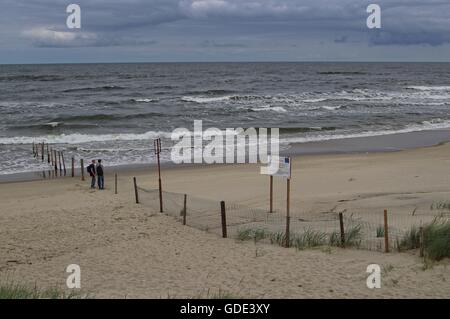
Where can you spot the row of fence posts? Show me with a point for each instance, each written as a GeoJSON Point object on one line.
{"type": "Point", "coordinates": [157, 145]}
{"type": "Point", "coordinates": [341, 228]}
{"type": "Point", "coordinates": [223, 217]}
{"type": "Point", "coordinates": [157, 149]}
{"type": "Point", "coordinates": [56, 160]}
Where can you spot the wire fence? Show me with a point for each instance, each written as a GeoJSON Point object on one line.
{"type": "Point", "coordinates": [363, 230]}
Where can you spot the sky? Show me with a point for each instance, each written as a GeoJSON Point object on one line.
{"type": "Point", "coordinates": [35, 31]}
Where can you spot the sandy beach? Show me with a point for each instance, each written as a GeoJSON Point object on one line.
{"type": "Point", "coordinates": [125, 249]}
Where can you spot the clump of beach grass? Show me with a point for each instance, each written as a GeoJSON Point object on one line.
{"type": "Point", "coordinates": [278, 238]}
{"type": "Point", "coordinates": [436, 240]}
{"type": "Point", "coordinates": [411, 239]}
{"type": "Point", "coordinates": [309, 239]}
{"type": "Point", "coordinates": [352, 237]}
{"type": "Point", "coordinates": [380, 232]}
{"type": "Point", "coordinates": [443, 205]}
{"type": "Point", "coordinates": [20, 291]}
{"type": "Point", "coordinates": [255, 234]}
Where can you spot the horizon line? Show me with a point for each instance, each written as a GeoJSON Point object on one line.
{"type": "Point", "coordinates": [192, 62]}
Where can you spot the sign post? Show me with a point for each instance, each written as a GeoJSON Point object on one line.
{"type": "Point", "coordinates": [271, 194]}
{"type": "Point", "coordinates": [288, 215]}
{"type": "Point", "coordinates": [284, 170]}
{"type": "Point", "coordinates": [157, 145]}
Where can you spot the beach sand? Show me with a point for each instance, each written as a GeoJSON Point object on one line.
{"type": "Point", "coordinates": [128, 250]}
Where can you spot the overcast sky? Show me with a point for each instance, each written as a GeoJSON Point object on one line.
{"type": "Point", "coordinates": [35, 31]}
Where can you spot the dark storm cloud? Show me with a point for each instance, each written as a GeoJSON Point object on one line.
{"type": "Point", "coordinates": [224, 23]}
{"type": "Point", "coordinates": [214, 44]}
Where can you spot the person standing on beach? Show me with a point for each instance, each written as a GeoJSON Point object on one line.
{"type": "Point", "coordinates": [100, 178]}
{"type": "Point", "coordinates": [92, 173]}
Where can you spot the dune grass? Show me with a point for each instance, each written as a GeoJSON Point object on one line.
{"type": "Point", "coordinates": [436, 240]}
{"type": "Point", "coordinates": [21, 291]}
{"type": "Point", "coordinates": [380, 231]}
{"type": "Point", "coordinates": [411, 239]}
{"type": "Point", "coordinates": [443, 205]}
{"type": "Point", "coordinates": [255, 234]}
{"type": "Point", "coordinates": [309, 238]}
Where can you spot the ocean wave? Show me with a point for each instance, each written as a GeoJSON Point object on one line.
{"type": "Point", "coordinates": [434, 124]}
{"type": "Point", "coordinates": [202, 100]}
{"type": "Point", "coordinates": [235, 98]}
{"type": "Point", "coordinates": [50, 126]}
{"type": "Point", "coordinates": [291, 130]}
{"type": "Point", "coordinates": [44, 78]}
{"type": "Point", "coordinates": [144, 100]}
{"type": "Point", "coordinates": [342, 73]}
{"type": "Point", "coordinates": [332, 108]}
{"type": "Point", "coordinates": [106, 117]}
{"type": "Point", "coordinates": [429, 88]}
{"type": "Point", "coordinates": [95, 88]}
{"type": "Point", "coordinates": [277, 109]}
{"type": "Point", "coordinates": [211, 92]}
{"type": "Point", "coordinates": [83, 138]}
{"type": "Point", "coordinates": [315, 100]}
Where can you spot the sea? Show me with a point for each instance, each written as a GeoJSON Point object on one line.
{"type": "Point", "coordinates": [115, 111]}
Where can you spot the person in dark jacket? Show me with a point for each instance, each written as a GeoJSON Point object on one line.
{"type": "Point", "coordinates": [92, 173]}
{"type": "Point", "coordinates": [100, 175]}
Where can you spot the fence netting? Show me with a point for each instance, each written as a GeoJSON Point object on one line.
{"type": "Point", "coordinates": [363, 230]}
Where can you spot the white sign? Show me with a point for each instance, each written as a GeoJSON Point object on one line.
{"type": "Point", "coordinates": [284, 166]}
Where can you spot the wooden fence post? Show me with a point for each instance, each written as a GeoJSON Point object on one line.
{"type": "Point", "coordinates": [56, 160]}
{"type": "Point", "coordinates": [115, 183]}
{"type": "Point", "coordinates": [82, 169]}
{"type": "Point", "coordinates": [48, 155]}
{"type": "Point", "coordinates": [59, 163]}
{"type": "Point", "coordinates": [341, 225]}
{"type": "Point", "coordinates": [288, 215]}
{"type": "Point", "coordinates": [184, 209]}
{"type": "Point", "coordinates": [73, 166]}
{"type": "Point", "coordinates": [224, 219]}
{"type": "Point", "coordinates": [64, 163]}
{"type": "Point", "coordinates": [386, 234]}
{"type": "Point", "coordinates": [421, 241]}
{"type": "Point", "coordinates": [136, 194]}
{"type": "Point", "coordinates": [271, 195]}
{"type": "Point", "coordinates": [157, 144]}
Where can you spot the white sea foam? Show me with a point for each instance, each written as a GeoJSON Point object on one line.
{"type": "Point", "coordinates": [82, 138]}
{"type": "Point", "coordinates": [277, 109]}
{"type": "Point", "coordinates": [202, 100]}
{"type": "Point", "coordinates": [331, 108]}
{"type": "Point", "coordinates": [435, 124]}
{"type": "Point", "coordinates": [145, 100]}
{"type": "Point", "coordinates": [54, 124]}
{"type": "Point", "coordinates": [86, 138]}
{"type": "Point", "coordinates": [315, 100]}
{"type": "Point", "coordinates": [429, 88]}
